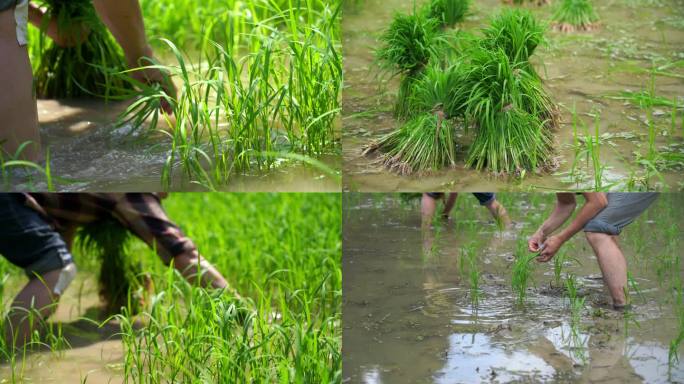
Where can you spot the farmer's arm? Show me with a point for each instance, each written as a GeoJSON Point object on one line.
{"type": "Point", "coordinates": [565, 205]}
{"type": "Point", "coordinates": [594, 203]}
{"type": "Point", "coordinates": [124, 20]}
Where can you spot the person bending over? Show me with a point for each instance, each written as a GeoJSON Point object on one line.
{"type": "Point", "coordinates": [429, 206]}
{"type": "Point", "coordinates": [37, 231]}
{"type": "Point", "coordinates": [602, 217]}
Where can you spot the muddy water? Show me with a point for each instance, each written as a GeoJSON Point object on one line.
{"type": "Point", "coordinates": [89, 152]}
{"type": "Point", "coordinates": [408, 315]}
{"type": "Point", "coordinates": [579, 69]}
{"type": "Point", "coordinates": [95, 354]}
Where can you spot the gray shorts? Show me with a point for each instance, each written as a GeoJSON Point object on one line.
{"type": "Point", "coordinates": [20, 17]}
{"type": "Point", "coordinates": [622, 209]}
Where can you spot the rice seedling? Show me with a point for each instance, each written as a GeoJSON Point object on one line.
{"type": "Point", "coordinates": [448, 12]}
{"type": "Point", "coordinates": [575, 15]}
{"type": "Point", "coordinates": [522, 270]}
{"type": "Point", "coordinates": [76, 71]}
{"type": "Point", "coordinates": [576, 307]}
{"type": "Point", "coordinates": [424, 143]}
{"type": "Point", "coordinates": [676, 342]}
{"type": "Point", "coordinates": [469, 256]}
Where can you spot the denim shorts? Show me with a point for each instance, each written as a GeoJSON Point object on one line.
{"type": "Point", "coordinates": [485, 198]}
{"type": "Point", "coordinates": [622, 209]}
{"type": "Point", "coordinates": [27, 240]}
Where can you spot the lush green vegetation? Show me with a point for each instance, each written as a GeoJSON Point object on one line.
{"type": "Point", "coordinates": [281, 252]}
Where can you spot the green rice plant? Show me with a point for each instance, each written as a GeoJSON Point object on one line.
{"type": "Point", "coordinates": [67, 72]}
{"type": "Point", "coordinates": [424, 143]}
{"type": "Point", "coordinates": [238, 113]}
{"type": "Point", "coordinates": [522, 270]}
{"type": "Point", "coordinates": [593, 143]}
{"type": "Point", "coordinates": [408, 44]}
{"type": "Point", "coordinates": [120, 276]}
{"type": "Point", "coordinates": [676, 342]}
{"type": "Point", "coordinates": [516, 31]}
{"type": "Point", "coordinates": [448, 12]}
{"type": "Point", "coordinates": [575, 15]}
{"type": "Point", "coordinates": [469, 255]}
{"type": "Point", "coordinates": [576, 307]}
{"type": "Point", "coordinates": [14, 170]}
{"type": "Point", "coordinates": [438, 87]}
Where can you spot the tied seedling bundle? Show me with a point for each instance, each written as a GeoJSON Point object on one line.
{"type": "Point", "coordinates": [406, 48]}
{"type": "Point", "coordinates": [575, 15]}
{"type": "Point", "coordinates": [87, 64]}
{"type": "Point", "coordinates": [490, 84]}
{"type": "Point", "coordinates": [448, 12]}
{"type": "Point", "coordinates": [120, 276]}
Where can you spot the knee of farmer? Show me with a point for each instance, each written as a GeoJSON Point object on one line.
{"type": "Point", "coordinates": [595, 237]}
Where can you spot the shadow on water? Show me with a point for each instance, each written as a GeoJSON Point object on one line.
{"type": "Point", "coordinates": [409, 317]}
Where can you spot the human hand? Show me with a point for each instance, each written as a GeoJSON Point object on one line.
{"type": "Point", "coordinates": [144, 71]}
{"type": "Point", "coordinates": [548, 251]}
{"type": "Point", "coordinates": [535, 241]}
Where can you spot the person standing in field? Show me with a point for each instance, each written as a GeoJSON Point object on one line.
{"type": "Point", "coordinates": [18, 109]}
{"type": "Point", "coordinates": [602, 218]}
{"type": "Point", "coordinates": [488, 200]}
{"type": "Point", "coordinates": [37, 231]}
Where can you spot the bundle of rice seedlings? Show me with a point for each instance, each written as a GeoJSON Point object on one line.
{"type": "Point", "coordinates": [86, 69]}
{"type": "Point", "coordinates": [515, 31]}
{"type": "Point", "coordinates": [575, 15]}
{"type": "Point", "coordinates": [406, 48]}
{"type": "Point", "coordinates": [448, 12]}
{"type": "Point", "coordinates": [495, 81]}
{"type": "Point", "coordinates": [438, 87]}
{"type": "Point", "coordinates": [425, 142]}
{"type": "Point", "coordinates": [513, 113]}
{"type": "Point", "coordinates": [408, 44]}
{"type": "Point", "coordinates": [510, 141]}
{"type": "Point", "coordinates": [120, 280]}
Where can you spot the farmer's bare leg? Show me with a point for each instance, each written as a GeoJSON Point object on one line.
{"type": "Point", "coordinates": [38, 295]}
{"type": "Point", "coordinates": [612, 263]}
{"type": "Point", "coordinates": [499, 213]}
{"type": "Point", "coordinates": [17, 103]}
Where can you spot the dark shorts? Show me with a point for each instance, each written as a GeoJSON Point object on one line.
{"type": "Point", "coordinates": [622, 209]}
{"type": "Point", "coordinates": [27, 240]}
{"type": "Point", "coordinates": [485, 198]}
{"type": "Point", "coordinates": [7, 4]}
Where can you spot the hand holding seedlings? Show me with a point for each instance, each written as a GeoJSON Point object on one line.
{"type": "Point", "coordinates": [549, 248]}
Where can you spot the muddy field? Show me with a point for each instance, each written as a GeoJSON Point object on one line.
{"type": "Point", "coordinates": [90, 152]}
{"type": "Point", "coordinates": [409, 314]}
{"type": "Point", "coordinates": [579, 69]}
